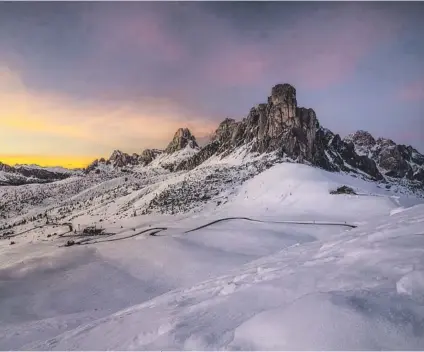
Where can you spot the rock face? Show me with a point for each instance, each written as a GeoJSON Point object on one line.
{"type": "Point", "coordinates": [393, 160]}
{"type": "Point", "coordinates": [281, 126]}
{"type": "Point", "coordinates": [278, 125]}
{"type": "Point", "coordinates": [148, 155]}
{"type": "Point", "coordinates": [120, 159]}
{"type": "Point", "coordinates": [6, 168]}
{"type": "Point", "coordinates": [286, 130]}
{"type": "Point", "coordinates": [182, 139]}
{"type": "Point", "coordinates": [362, 140]}
{"type": "Point", "coordinates": [333, 154]}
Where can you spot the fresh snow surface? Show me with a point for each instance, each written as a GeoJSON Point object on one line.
{"type": "Point", "coordinates": [298, 279]}
{"type": "Point", "coordinates": [174, 158]}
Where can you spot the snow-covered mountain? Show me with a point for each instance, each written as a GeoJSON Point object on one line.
{"type": "Point", "coordinates": [182, 146]}
{"type": "Point", "coordinates": [281, 128]}
{"type": "Point", "coordinates": [278, 255]}
{"type": "Point", "coordinates": [294, 132]}
{"type": "Point", "coordinates": [275, 230]}
{"type": "Point", "coordinates": [25, 174]}
{"type": "Point", "coordinates": [393, 160]}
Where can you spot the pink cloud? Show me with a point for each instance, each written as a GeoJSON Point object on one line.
{"type": "Point", "coordinates": [327, 49]}
{"type": "Point", "coordinates": [412, 92]}
{"type": "Point", "coordinates": [315, 52]}
{"type": "Point", "coordinates": [236, 65]}
{"type": "Point", "coordinates": [142, 33]}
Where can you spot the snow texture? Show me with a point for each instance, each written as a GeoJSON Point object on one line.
{"type": "Point", "coordinates": [303, 270]}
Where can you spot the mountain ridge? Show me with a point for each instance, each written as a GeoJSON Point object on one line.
{"type": "Point", "coordinates": [284, 129]}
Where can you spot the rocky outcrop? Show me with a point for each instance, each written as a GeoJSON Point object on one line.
{"type": "Point", "coordinates": [334, 154]}
{"type": "Point", "coordinates": [121, 159]}
{"type": "Point", "coordinates": [343, 190]}
{"type": "Point", "coordinates": [94, 165]}
{"type": "Point", "coordinates": [148, 155]}
{"type": "Point", "coordinates": [393, 160]}
{"type": "Point", "coordinates": [182, 139]}
{"type": "Point", "coordinates": [284, 130]}
{"type": "Point", "coordinates": [43, 173]}
{"type": "Point", "coordinates": [6, 168]}
{"type": "Point", "coordinates": [363, 141]}
{"type": "Point", "coordinates": [205, 153]}
{"type": "Point", "coordinates": [282, 127]}
{"type": "Point", "coordinates": [278, 125]}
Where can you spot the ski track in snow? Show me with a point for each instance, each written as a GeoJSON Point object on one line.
{"type": "Point", "coordinates": [281, 265]}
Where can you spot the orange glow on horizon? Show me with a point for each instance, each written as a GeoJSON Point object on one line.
{"type": "Point", "coordinates": [53, 129]}
{"type": "Point", "coordinates": [48, 160]}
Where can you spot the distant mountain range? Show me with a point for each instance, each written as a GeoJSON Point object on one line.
{"type": "Point", "coordinates": [277, 128]}
{"type": "Point", "coordinates": [26, 174]}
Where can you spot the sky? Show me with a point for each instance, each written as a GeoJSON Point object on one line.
{"type": "Point", "coordinates": [80, 79]}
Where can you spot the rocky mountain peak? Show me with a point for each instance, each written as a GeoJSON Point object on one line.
{"type": "Point", "coordinates": [148, 155]}
{"type": "Point", "coordinates": [281, 126]}
{"type": "Point", "coordinates": [361, 138]}
{"type": "Point", "coordinates": [116, 154]}
{"type": "Point", "coordinates": [182, 138]}
{"type": "Point", "coordinates": [121, 159]}
{"type": "Point", "coordinates": [288, 131]}
{"type": "Point", "coordinates": [283, 94]}
{"type": "Point", "coordinates": [6, 168]}
{"type": "Point", "coordinates": [393, 160]}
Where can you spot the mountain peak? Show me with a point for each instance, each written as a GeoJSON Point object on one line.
{"type": "Point", "coordinates": [283, 94]}
{"type": "Point", "coordinates": [182, 138]}
{"type": "Point", "coordinates": [116, 154]}
{"type": "Point", "coordinates": [361, 138]}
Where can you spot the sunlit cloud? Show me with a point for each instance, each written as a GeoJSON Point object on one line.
{"type": "Point", "coordinates": [99, 76]}
{"type": "Point", "coordinates": [25, 115]}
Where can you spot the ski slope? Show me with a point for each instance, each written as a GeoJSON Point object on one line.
{"type": "Point", "coordinates": [272, 284]}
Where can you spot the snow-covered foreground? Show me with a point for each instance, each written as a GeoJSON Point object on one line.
{"type": "Point", "coordinates": [235, 284]}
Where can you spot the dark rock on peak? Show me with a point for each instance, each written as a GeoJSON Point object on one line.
{"type": "Point", "coordinates": [120, 159]}
{"type": "Point", "coordinates": [289, 131]}
{"type": "Point", "coordinates": [6, 168]}
{"type": "Point", "coordinates": [283, 94]}
{"type": "Point", "coordinates": [281, 126]}
{"type": "Point", "coordinates": [361, 140]}
{"type": "Point", "coordinates": [393, 160]}
{"type": "Point", "coordinates": [182, 138]}
{"type": "Point", "coordinates": [148, 155]}
{"type": "Point", "coordinates": [93, 165]}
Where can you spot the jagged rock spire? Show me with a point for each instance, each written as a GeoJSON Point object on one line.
{"type": "Point", "coordinates": [182, 138]}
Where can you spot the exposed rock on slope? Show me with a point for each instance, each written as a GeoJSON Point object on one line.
{"type": "Point", "coordinates": [6, 168]}
{"type": "Point", "coordinates": [283, 127]}
{"type": "Point", "coordinates": [182, 138]}
{"type": "Point", "coordinates": [148, 155]}
{"type": "Point", "coordinates": [393, 160]}
{"type": "Point", "coordinates": [120, 159]}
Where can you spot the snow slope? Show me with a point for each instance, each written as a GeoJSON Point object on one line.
{"type": "Point", "coordinates": [235, 284]}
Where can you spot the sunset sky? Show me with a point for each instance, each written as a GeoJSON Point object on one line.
{"type": "Point", "coordinates": [78, 80]}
